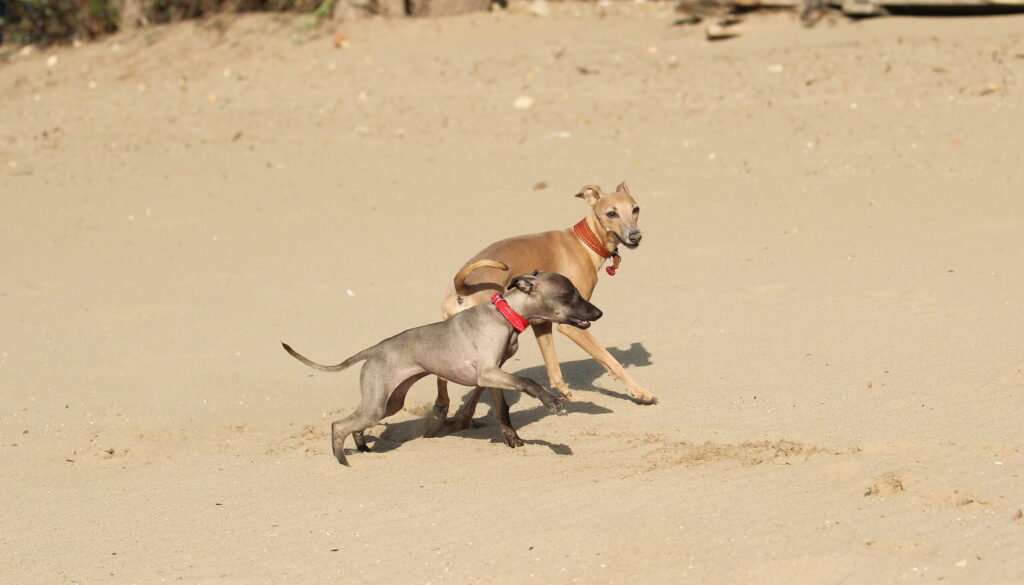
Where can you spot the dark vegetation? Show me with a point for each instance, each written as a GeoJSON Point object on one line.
{"type": "Point", "coordinates": [61, 21]}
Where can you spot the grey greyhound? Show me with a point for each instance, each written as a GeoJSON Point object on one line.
{"type": "Point", "coordinates": [468, 349]}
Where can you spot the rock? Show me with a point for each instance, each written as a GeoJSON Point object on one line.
{"type": "Point", "coordinates": [523, 102]}
{"type": "Point", "coordinates": [717, 32]}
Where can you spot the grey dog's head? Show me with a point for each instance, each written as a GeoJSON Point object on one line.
{"type": "Point", "coordinates": [552, 297]}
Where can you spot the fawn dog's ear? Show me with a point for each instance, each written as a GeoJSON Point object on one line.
{"type": "Point", "coordinates": [590, 193]}
{"type": "Point", "coordinates": [622, 187]}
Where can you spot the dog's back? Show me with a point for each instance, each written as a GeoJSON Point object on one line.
{"type": "Point", "coordinates": [553, 251]}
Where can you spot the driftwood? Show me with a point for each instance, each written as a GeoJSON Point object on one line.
{"type": "Point", "coordinates": [446, 7]}
{"type": "Point", "coordinates": [130, 15]}
{"type": "Point", "coordinates": [346, 9]}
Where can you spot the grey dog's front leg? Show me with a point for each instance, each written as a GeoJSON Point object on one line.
{"type": "Point", "coordinates": [498, 378]}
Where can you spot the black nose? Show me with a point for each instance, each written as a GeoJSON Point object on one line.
{"type": "Point", "coordinates": [595, 314]}
{"type": "Point", "coordinates": [635, 237]}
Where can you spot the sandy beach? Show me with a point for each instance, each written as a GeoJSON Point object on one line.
{"type": "Point", "coordinates": [827, 301]}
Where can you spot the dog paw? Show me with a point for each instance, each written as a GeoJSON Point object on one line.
{"type": "Point", "coordinates": [456, 424]}
{"type": "Point", "coordinates": [512, 439]}
{"type": "Point", "coordinates": [556, 407]}
{"type": "Point", "coordinates": [339, 454]}
{"type": "Point", "coordinates": [564, 390]}
{"type": "Point", "coordinates": [434, 425]}
{"type": "Point", "coordinates": [643, 396]}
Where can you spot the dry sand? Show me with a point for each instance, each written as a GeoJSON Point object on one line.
{"type": "Point", "coordinates": [827, 300]}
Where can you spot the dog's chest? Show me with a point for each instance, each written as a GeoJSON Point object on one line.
{"type": "Point", "coordinates": [511, 347]}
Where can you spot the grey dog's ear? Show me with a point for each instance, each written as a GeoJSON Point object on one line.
{"type": "Point", "coordinates": [524, 283]}
{"type": "Point", "coordinates": [590, 193]}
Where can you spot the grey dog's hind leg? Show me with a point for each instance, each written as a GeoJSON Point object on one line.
{"type": "Point", "coordinates": [434, 423]}
{"type": "Point", "coordinates": [360, 442]}
{"type": "Point", "coordinates": [379, 402]}
{"type": "Point", "coordinates": [357, 422]}
{"type": "Point", "coordinates": [508, 432]}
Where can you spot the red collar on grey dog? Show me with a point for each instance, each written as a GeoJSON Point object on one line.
{"type": "Point", "coordinates": [517, 320]}
{"type": "Point", "coordinates": [584, 233]}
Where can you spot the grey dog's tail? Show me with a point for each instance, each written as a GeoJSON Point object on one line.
{"type": "Point", "coordinates": [352, 360]}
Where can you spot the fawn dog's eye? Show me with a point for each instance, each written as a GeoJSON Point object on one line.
{"type": "Point", "coordinates": [612, 214]}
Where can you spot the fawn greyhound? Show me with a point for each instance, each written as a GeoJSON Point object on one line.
{"type": "Point", "coordinates": [578, 253]}
{"type": "Point", "coordinates": [469, 349]}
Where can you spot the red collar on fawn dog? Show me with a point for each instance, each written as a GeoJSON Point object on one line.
{"type": "Point", "coordinates": [584, 233]}
{"type": "Point", "coordinates": [510, 315]}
